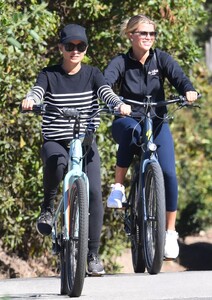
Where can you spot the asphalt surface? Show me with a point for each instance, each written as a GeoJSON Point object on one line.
{"type": "Point", "coordinates": [190, 285]}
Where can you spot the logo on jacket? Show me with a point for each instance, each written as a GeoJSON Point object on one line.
{"type": "Point", "coordinates": [153, 72]}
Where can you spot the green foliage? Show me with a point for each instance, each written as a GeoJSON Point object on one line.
{"type": "Point", "coordinates": [176, 22]}
{"type": "Point", "coordinates": [193, 137]}
{"type": "Point", "coordinates": [25, 30]}
{"type": "Point", "coordinates": [29, 32]}
{"type": "Point", "coordinates": [204, 30]}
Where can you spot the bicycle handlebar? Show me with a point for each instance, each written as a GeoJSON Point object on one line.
{"type": "Point", "coordinates": [181, 100]}
{"type": "Point", "coordinates": [68, 112]}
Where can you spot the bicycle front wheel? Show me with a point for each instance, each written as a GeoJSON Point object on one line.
{"type": "Point", "coordinates": [77, 245]}
{"type": "Point", "coordinates": [153, 217]}
{"type": "Point", "coordinates": [63, 286]}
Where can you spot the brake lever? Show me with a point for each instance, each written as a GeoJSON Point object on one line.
{"type": "Point", "coordinates": [188, 104]}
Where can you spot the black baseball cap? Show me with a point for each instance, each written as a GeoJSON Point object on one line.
{"type": "Point", "coordinates": [73, 32]}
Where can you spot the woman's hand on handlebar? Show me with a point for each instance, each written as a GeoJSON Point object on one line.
{"type": "Point", "coordinates": [191, 96]}
{"type": "Point", "coordinates": [124, 109]}
{"type": "Point", "coordinates": [27, 104]}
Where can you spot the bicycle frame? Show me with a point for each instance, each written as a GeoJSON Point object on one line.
{"type": "Point", "coordinates": [71, 243]}
{"type": "Point", "coordinates": [74, 171]}
{"type": "Point", "coordinates": [140, 213]}
{"type": "Point", "coordinates": [145, 221]}
{"type": "Point", "coordinates": [149, 149]}
{"type": "Point", "coordinates": [149, 154]}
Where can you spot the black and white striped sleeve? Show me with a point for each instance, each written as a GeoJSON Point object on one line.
{"type": "Point", "coordinates": [38, 90]}
{"type": "Point", "coordinates": [108, 96]}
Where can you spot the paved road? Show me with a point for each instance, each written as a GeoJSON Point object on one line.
{"type": "Point", "coordinates": [191, 285]}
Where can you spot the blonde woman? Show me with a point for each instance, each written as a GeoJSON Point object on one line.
{"type": "Point", "coordinates": [141, 72]}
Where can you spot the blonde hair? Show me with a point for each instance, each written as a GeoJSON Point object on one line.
{"type": "Point", "coordinates": [131, 24]}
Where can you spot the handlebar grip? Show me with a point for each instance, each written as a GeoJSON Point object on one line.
{"type": "Point", "coordinates": [37, 109]}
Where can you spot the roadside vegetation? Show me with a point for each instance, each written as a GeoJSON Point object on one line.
{"type": "Point", "coordinates": [29, 36]}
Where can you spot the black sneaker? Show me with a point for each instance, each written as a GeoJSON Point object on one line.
{"type": "Point", "coordinates": [44, 222]}
{"type": "Point", "coordinates": [95, 267]}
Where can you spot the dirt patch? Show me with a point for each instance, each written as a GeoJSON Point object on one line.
{"type": "Point", "coordinates": [14, 267]}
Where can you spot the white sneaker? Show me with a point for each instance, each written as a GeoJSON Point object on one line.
{"type": "Point", "coordinates": [117, 196]}
{"type": "Point", "coordinates": [171, 250]}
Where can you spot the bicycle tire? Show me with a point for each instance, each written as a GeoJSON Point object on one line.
{"type": "Point", "coordinates": [77, 245]}
{"type": "Point", "coordinates": [153, 217]}
{"type": "Point", "coordinates": [136, 243]}
{"type": "Point", "coordinates": [63, 285]}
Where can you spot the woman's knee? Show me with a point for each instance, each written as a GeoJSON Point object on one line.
{"type": "Point", "coordinates": [56, 162]}
{"type": "Point", "coordinates": [125, 129]}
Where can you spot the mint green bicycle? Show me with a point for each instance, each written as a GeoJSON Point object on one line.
{"type": "Point", "coordinates": [70, 239]}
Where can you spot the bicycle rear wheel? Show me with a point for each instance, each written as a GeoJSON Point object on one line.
{"type": "Point", "coordinates": [77, 245]}
{"type": "Point", "coordinates": [136, 245]}
{"type": "Point", "coordinates": [153, 217]}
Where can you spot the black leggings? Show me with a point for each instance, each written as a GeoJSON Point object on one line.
{"type": "Point", "coordinates": [55, 160]}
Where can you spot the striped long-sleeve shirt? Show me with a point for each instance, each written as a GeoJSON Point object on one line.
{"type": "Point", "coordinates": [81, 91]}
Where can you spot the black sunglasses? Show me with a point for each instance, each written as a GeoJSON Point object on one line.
{"type": "Point", "coordinates": [144, 34]}
{"type": "Point", "coordinates": [81, 47]}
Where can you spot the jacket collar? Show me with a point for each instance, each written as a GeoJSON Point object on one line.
{"type": "Point", "coordinates": [130, 54]}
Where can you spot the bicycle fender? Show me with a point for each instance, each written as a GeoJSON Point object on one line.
{"type": "Point", "coordinates": [145, 162]}
{"type": "Point", "coordinates": [69, 179]}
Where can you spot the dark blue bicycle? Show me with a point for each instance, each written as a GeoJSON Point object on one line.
{"type": "Point", "coordinates": [145, 211]}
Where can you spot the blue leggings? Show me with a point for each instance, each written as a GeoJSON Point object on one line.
{"type": "Point", "coordinates": [126, 132]}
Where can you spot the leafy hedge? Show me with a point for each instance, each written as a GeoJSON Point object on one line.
{"type": "Point", "coordinates": [25, 31]}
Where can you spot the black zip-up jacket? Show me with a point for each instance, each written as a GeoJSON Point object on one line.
{"type": "Point", "coordinates": [136, 80]}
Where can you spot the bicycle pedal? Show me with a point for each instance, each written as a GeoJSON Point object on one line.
{"type": "Point", "coordinates": [127, 227]}
{"type": "Point", "coordinates": [127, 232]}
{"type": "Point", "coordinates": [125, 205]}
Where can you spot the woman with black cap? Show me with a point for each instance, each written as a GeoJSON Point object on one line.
{"type": "Point", "coordinates": [71, 83]}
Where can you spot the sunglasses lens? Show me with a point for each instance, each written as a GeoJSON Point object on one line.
{"type": "Point", "coordinates": [144, 34]}
{"type": "Point", "coordinates": [153, 34]}
{"type": "Point", "coordinates": [81, 47]}
{"type": "Point", "coordinates": [69, 47]}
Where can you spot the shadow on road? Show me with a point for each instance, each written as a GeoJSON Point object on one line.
{"type": "Point", "coordinates": [196, 256]}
